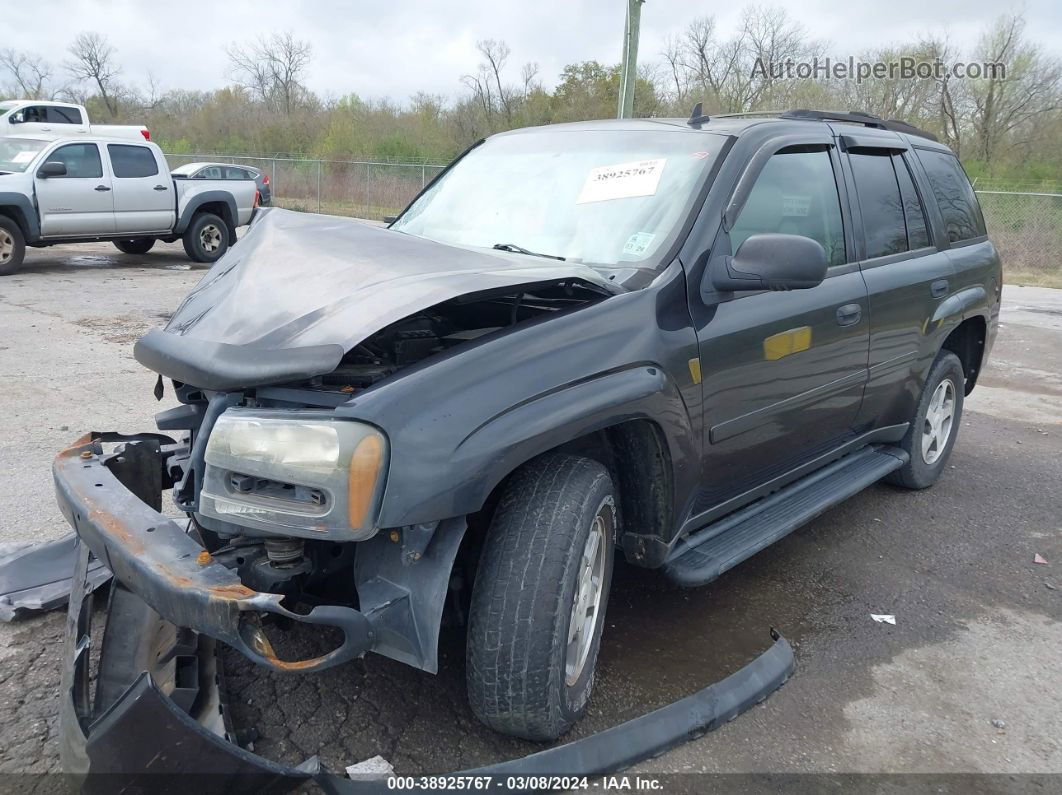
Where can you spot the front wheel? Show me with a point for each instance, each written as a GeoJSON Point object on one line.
{"type": "Point", "coordinates": [538, 604]}
{"type": "Point", "coordinates": [931, 437]}
{"type": "Point", "coordinates": [206, 238]}
{"type": "Point", "coordinates": [138, 245]}
{"type": "Point", "coordinates": [12, 246]}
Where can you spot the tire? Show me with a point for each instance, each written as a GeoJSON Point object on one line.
{"type": "Point", "coordinates": [946, 382]}
{"type": "Point", "coordinates": [206, 238]}
{"type": "Point", "coordinates": [138, 245]}
{"type": "Point", "coordinates": [521, 679]}
{"type": "Point", "coordinates": [12, 246]}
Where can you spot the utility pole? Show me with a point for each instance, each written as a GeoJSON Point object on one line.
{"type": "Point", "coordinates": [629, 68]}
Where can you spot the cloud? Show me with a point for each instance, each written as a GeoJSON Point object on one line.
{"type": "Point", "coordinates": [396, 49]}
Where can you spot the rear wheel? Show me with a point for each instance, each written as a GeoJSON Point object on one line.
{"type": "Point", "coordinates": [206, 238]}
{"type": "Point", "coordinates": [931, 437]}
{"type": "Point", "coordinates": [538, 603]}
{"type": "Point", "coordinates": [138, 245]}
{"type": "Point", "coordinates": [12, 246]}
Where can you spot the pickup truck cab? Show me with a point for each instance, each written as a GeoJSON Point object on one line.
{"type": "Point", "coordinates": [71, 190]}
{"type": "Point", "coordinates": [32, 117]}
{"type": "Point", "coordinates": [675, 340]}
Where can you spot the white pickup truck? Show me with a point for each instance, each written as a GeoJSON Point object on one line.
{"type": "Point", "coordinates": [86, 189]}
{"type": "Point", "coordinates": [32, 116]}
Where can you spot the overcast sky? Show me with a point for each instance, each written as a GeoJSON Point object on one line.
{"type": "Point", "coordinates": [393, 49]}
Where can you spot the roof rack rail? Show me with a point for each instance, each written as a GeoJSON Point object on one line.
{"type": "Point", "coordinates": [852, 117]}
{"type": "Point", "coordinates": [858, 117]}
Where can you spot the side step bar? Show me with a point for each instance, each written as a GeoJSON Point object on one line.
{"type": "Point", "coordinates": [703, 556]}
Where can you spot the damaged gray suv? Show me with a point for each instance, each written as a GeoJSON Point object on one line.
{"type": "Point", "coordinates": [670, 340]}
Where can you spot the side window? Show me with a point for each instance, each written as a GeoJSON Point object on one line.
{"type": "Point", "coordinates": [34, 115]}
{"type": "Point", "coordinates": [236, 173]}
{"type": "Point", "coordinates": [82, 161]}
{"type": "Point", "coordinates": [63, 115]}
{"type": "Point", "coordinates": [795, 194]}
{"type": "Point", "coordinates": [210, 172]}
{"type": "Point", "coordinates": [879, 202]}
{"type": "Point", "coordinates": [954, 194]}
{"type": "Point", "coordinates": [913, 211]}
{"type": "Point", "coordinates": [132, 161]}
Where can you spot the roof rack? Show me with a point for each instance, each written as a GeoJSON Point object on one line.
{"type": "Point", "coordinates": [851, 117]}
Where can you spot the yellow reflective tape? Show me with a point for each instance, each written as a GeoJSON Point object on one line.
{"type": "Point", "coordinates": [695, 370]}
{"type": "Point", "coordinates": [786, 343]}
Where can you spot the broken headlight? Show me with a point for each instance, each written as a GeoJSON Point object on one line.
{"type": "Point", "coordinates": [301, 473]}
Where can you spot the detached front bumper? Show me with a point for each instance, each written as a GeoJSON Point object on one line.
{"type": "Point", "coordinates": [157, 720]}
{"type": "Point", "coordinates": [153, 556]}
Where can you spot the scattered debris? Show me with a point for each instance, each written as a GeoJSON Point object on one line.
{"type": "Point", "coordinates": [998, 723]}
{"type": "Point", "coordinates": [37, 577]}
{"type": "Point", "coordinates": [1038, 558]}
{"type": "Point", "coordinates": [883, 619]}
{"type": "Point", "coordinates": [377, 767]}
{"type": "Point", "coordinates": [1050, 587]}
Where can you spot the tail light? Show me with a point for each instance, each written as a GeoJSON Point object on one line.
{"type": "Point", "coordinates": [257, 199]}
{"type": "Point", "coordinates": [146, 133]}
{"type": "Point", "coordinates": [265, 179]}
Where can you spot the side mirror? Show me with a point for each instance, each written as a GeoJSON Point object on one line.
{"type": "Point", "coordinates": [16, 118]}
{"type": "Point", "coordinates": [389, 219]}
{"type": "Point", "coordinates": [771, 262]}
{"type": "Point", "coordinates": [53, 168]}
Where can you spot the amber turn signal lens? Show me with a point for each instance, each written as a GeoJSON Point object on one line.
{"type": "Point", "coordinates": [364, 470]}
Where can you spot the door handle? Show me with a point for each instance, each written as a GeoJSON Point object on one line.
{"type": "Point", "coordinates": [939, 288]}
{"type": "Point", "coordinates": [160, 187]}
{"type": "Point", "coordinates": [102, 188]}
{"type": "Point", "coordinates": [849, 314]}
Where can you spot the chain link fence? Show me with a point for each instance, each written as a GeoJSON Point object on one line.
{"type": "Point", "coordinates": [359, 188]}
{"type": "Point", "coordinates": [1027, 230]}
{"type": "Point", "coordinates": [1026, 225]}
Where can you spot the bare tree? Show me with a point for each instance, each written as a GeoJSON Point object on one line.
{"type": "Point", "coordinates": [272, 68]}
{"type": "Point", "coordinates": [529, 78]}
{"type": "Point", "coordinates": [1030, 87]}
{"type": "Point", "coordinates": [93, 61]}
{"type": "Point", "coordinates": [30, 72]}
{"type": "Point", "coordinates": [496, 55]}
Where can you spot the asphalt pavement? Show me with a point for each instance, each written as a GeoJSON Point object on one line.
{"type": "Point", "coordinates": [966, 681]}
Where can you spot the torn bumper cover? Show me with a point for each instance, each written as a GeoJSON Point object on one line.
{"type": "Point", "coordinates": [157, 720]}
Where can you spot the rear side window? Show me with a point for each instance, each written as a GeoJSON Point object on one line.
{"type": "Point", "coordinates": [913, 211]}
{"type": "Point", "coordinates": [795, 194]}
{"type": "Point", "coordinates": [954, 194]}
{"type": "Point", "coordinates": [132, 161]}
{"type": "Point", "coordinates": [880, 205]}
{"type": "Point", "coordinates": [82, 161]}
{"type": "Point", "coordinates": [63, 115]}
{"type": "Point", "coordinates": [236, 173]}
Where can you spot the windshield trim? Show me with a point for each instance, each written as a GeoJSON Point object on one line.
{"type": "Point", "coordinates": [666, 253]}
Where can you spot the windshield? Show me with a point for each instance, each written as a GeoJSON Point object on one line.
{"type": "Point", "coordinates": [17, 153]}
{"type": "Point", "coordinates": [594, 196]}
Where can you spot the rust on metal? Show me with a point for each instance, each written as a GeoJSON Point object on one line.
{"type": "Point", "coordinates": [203, 558]}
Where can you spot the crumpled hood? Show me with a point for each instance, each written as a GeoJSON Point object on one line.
{"type": "Point", "coordinates": [297, 280]}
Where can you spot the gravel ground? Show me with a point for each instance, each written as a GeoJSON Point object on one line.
{"type": "Point", "coordinates": [979, 626]}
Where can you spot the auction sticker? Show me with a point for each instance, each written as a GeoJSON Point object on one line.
{"type": "Point", "coordinates": [622, 181]}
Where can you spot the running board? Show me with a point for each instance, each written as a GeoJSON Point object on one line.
{"type": "Point", "coordinates": [701, 557]}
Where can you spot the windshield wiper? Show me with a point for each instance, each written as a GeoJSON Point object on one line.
{"type": "Point", "coordinates": [521, 250]}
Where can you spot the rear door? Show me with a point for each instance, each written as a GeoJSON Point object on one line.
{"type": "Point", "coordinates": [907, 275]}
{"type": "Point", "coordinates": [143, 191]}
{"type": "Point", "coordinates": [80, 203]}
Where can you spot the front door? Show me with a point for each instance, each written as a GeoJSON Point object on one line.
{"type": "Point", "coordinates": [783, 372]}
{"type": "Point", "coordinates": [143, 190]}
{"type": "Point", "coordinates": [79, 203]}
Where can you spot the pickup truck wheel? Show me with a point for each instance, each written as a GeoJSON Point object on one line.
{"type": "Point", "coordinates": [206, 238]}
{"type": "Point", "coordinates": [12, 246]}
{"type": "Point", "coordinates": [935, 425]}
{"type": "Point", "coordinates": [138, 245]}
{"type": "Point", "coordinates": [538, 603]}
